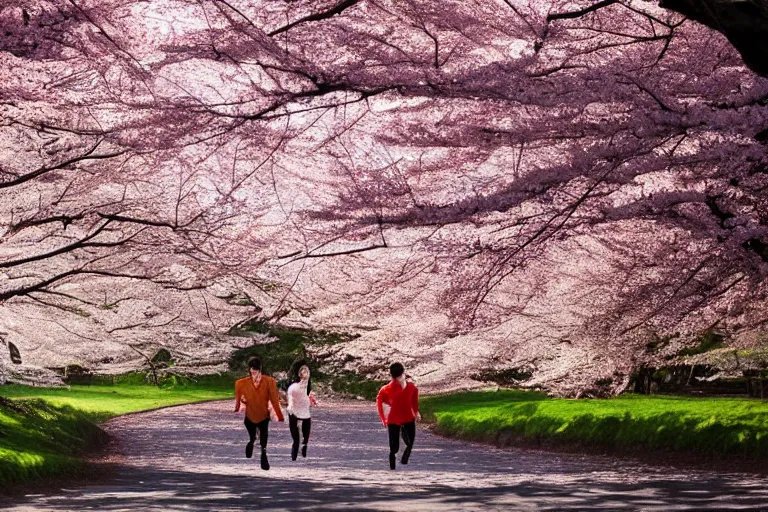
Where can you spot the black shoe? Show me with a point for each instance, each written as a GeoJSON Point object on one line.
{"type": "Point", "coordinates": [392, 461]}
{"type": "Point", "coordinates": [249, 450]}
{"type": "Point", "coordinates": [264, 461]}
{"type": "Point", "coordinates": [406, 455]}
{"type": "Point", "coordinates": [304, 450]}
{"type": "Point", "coordinates": [294, 452]}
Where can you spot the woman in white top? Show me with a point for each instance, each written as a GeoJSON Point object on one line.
{"type": "Point", "coordinates": [300, 398]}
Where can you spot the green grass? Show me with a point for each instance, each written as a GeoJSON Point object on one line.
{"type": "Point", "coordinates": [39, 439]}
{"type": "Point", "coordinates": [106, 400]}
{"type": "Point", "coordinates": [626, 423]}
{"type": "Point", "coordinates": [46, 431]}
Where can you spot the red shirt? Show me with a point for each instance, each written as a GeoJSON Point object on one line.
{"type": "Point", "coordinates": [403, 401]}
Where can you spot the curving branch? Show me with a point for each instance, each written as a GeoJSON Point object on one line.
{"type": "Point", "coordinates": [323, 15]}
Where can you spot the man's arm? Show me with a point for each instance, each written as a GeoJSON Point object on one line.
{"type": "Point", "coordinates": [381, 399]}
{"type": "Point", "coordinates": [415, 403]}
{"type": "Point", "coordinates": [238, 397]}
{"type": "Point", "coordinates": [275, 399]}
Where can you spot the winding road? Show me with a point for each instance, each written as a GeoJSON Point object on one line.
{"type": "Point", "coordinates": [190, 458]}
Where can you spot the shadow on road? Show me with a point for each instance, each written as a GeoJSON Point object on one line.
{"type": "Point", "coordinates": [173, 490]}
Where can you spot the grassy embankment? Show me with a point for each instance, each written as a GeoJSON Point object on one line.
{"type": "Point", "coordinates": [45, 432]}
{"type": "Point", "coordinates": [630, 423]}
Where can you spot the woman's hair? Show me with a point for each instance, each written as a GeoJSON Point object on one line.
{"type": "Point", "coordinates": [295, 377]}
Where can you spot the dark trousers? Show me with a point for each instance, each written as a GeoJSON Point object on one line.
{"type": "Point", "coordinates": [293, 424]}
{"type": "Point", "coordinates": [261, 427]}
{"type": "Point", "coordinates": [408, 431]}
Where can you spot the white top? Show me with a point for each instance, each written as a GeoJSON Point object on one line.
{"type": "Point", "coordinates": [298, 400]}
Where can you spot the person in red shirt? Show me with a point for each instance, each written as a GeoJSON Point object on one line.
{"type": "Point", "coordinates": [402, 398]}
{"type": "Point", "coordinates": [257, 391]}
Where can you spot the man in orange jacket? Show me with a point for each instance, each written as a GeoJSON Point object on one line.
{"type": "Point", "coordinates": [256, 391]}
{"type": "Point", "coordinates": [402, 397]}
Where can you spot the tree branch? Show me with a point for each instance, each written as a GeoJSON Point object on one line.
{"type": "Point", "coordinates": [323, 15]}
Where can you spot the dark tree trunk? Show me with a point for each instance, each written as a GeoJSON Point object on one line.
{"type": "Point", "coordinates": [744, 23]}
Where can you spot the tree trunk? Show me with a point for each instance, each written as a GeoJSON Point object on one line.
{"type": "Point", "coordinates": [744, 23]}
{"type": "Point", "coordinates": [690, 376]}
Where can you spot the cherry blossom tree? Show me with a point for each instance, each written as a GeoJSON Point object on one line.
{"type": "Point", "coordinates": [589, 174]}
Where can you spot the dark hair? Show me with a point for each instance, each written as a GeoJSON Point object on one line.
{"type": "Point", "coordinates": [396, 370]}
{"type": "Point", "coordinates": [294, 374]}
{"type": "Point", "coordinates": [254, 362]}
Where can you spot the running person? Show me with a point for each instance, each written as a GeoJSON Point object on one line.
{"type": "Point", "coordinates": [402, 397]}
{"type": "Point", "coordinates": [256, 391]}
{"type": "Point", "coordinates": [300, 398]}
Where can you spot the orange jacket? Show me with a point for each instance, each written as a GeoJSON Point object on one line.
{"type": "Point", "coordinates": [257, 398]}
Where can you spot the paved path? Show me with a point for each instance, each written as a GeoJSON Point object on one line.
{"type": "Point", "coordinates": [191, 458]}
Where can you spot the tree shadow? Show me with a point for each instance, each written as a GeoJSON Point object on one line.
{"type": "Point", "coordinates": [135, 489]}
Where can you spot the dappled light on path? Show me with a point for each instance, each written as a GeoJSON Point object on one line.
{"type": "Point", "coordinates": [191, 458]}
